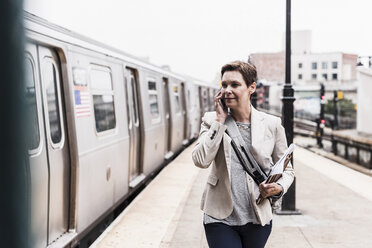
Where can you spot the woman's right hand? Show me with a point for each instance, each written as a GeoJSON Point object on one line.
{"type": "Point", "coordinates": [220, 110]}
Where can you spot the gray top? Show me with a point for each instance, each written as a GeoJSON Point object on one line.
{"type": "Point", "coordinates": [243, 212]}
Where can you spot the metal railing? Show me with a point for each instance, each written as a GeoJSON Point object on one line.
{"type": "Point", "coordinates": [352, 149]}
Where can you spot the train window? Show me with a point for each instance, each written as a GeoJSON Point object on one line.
{"type": "Point", "coordinates": [103, 99]}
{"type": "Point", "coordinates": [104, 112]}
{"type": "Point", "coordinates": [205, 99]}
{"type": "Point", "coordinates": [50, 81]}
{"type": "Point", "coordinates": [176, 98]}
{"type": "Point", "coordinates": [152, 85]}
{"type": "Point", "coordinates": [153, 100]}
{"type": "Point", "coordinates": [33, 135]}
{"type": "Point", "coordinates": [154, 106]}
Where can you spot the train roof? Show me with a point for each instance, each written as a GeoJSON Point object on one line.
{"type": "Point", "coordinates": [200, 82]}
{"type": "Point", "coordinates": [41, 26]}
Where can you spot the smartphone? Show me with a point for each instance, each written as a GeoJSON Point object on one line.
{"type": "Point", "coordinates": [222, 103]}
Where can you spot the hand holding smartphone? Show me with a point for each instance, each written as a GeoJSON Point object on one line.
{"type": "Point", "coordinates": [220, 100]}
{"type": "Point", "coordinates": [222, 103]}
{"type": "Point", "coordinates": [221, 111]}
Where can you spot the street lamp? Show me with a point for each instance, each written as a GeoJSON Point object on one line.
{"type": "Point", "coordinates": [289, 199]}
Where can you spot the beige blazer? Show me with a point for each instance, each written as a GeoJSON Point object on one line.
{"type": "Point", "coordinates": [213, 148]}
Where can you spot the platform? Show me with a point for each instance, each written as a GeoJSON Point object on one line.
{"type": "Point", "coordinates": [335, 202]}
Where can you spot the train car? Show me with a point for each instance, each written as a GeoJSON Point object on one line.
{"type": "Point", "coordinates": [205, 95]}
{"type": "Point", "coordinates": [100, 122]}
{"type": "Point", "coordinates": [196, 105]}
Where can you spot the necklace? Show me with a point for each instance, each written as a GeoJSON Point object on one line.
{"type": "Point", "coordinates": [243, 126]}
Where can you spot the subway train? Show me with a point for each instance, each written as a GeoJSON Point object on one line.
{"type": "Point", "coordinates": [100, 123]}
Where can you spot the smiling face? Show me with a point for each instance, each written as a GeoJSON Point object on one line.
{"type": "Point", "coordinates": [235, 91]}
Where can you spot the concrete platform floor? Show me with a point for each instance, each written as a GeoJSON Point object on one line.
{"type": "Point", "coordinates": [335, 202]}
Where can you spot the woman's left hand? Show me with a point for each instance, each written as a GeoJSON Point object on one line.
{"type": "Point", "coordinates": [269, 189]}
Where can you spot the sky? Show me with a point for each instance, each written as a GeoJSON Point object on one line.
{"type": "Point", "coordinates": [197, 37]}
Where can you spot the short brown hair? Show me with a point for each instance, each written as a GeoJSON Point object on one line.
{"type": "Point", "coordinates": [247, 70]}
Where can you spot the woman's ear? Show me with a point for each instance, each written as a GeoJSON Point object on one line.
{"type": "Point", "coordinates": [252, 88]}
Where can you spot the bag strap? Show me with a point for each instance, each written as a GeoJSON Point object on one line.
{"type": "Point", "coordinates": [241, 148]}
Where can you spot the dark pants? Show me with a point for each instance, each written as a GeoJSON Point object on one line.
{"type": "Point", "coordinates": [247, 236]}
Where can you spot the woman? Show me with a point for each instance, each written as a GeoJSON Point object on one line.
{"type": "Point", "coordinates": [232, 218]}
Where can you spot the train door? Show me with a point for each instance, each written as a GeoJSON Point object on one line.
{"type": "Point", "coordinates": [211, 99]}
{"type": "Point", "coordinates": [203, 96]}
{"type": "Point", "coordinates": [167, 118]}
{"type": "Point", "coordinates": [196, 99]}
{"type": "Point", "coordinates": [134, 129]}
{"type": "Point", "coordinates": [184, 112]}
{"type": "Point", "coordinates": [205, 100]}
{"type": "Point", "coordinates": [49, 166]}
{"type": "Point", "coordinates": [56, 143]}
{"type": "Point", "coordinates": [38, 180]}
{"type": "Point", "coordinates": [200, 90]}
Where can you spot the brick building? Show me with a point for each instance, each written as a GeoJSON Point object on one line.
{"type": "Point", "coordinates": [270, 66]}
{"type": "Point", "coordinates": [336, 70]}
{"type": "Point", "coordinates": [332, 68]}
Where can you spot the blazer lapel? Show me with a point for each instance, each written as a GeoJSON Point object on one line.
{"type": "Point", "coordinates": [257, 128]}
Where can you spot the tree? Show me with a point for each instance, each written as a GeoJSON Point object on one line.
{"type": "Point", "coordinates": [346, 108]}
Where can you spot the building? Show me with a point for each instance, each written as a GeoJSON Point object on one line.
{"type": "Point", "coordinates": [333, 69]}
{"type": "Point", "coordinates": [337, 70]}
{"type": "Point", "coordinates": [301, 42]}
{"type": "Point", "coordinates": [270, 66]}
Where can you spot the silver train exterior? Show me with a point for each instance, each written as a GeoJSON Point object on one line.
{"type": "Point", "coordinates": [100, 122]}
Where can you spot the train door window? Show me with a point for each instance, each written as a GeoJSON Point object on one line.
{"type": "Point", "coordinates": [33, 139]}
{"type": "Point", "coordinates": [134, 96]}
{"type": "Point", "coordinates": [153, 100]}
{"type": "Point", "coordinates": [131, 95]}
{"type": "Point", "coordinates": [211, 97]}
{"type": "Point", "coordinates": [129, 101]}
{"type": "Point", "coordinates": [197, 96]}
{"type": "Point", "coordinates": [200, 97]}
{"type": "Point", "coordinates": [103, 98]}
{"type": "Point", "coordinates": [189, 99]}
{"type": "Point", "coordinates": [176, 95]}
{"type": "Point", "coordinates": [50, 80]}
